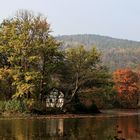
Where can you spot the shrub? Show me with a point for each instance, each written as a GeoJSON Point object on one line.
{"type": "Point", "coordinates": [35, 107]}
{"type": "Point", "coordinates": [2, 106]}
{"type": "Point", "coordinates": [12, 106]}
{"type": "Point", "coordinates": [86, 108]}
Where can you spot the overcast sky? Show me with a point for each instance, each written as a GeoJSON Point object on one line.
{"type": "Point", "coordinates": [115, 18]}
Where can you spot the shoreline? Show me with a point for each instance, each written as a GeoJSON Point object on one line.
{"type": "Point", "coordinates": [103, 113]}
{"type": "Point", "coordinates": [48, 116]}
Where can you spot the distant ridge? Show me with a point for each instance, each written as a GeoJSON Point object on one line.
{"type": "Point", "coordinates": [117, 53]}
{"type": "Point", "coordinates": [97, 35]}
{"type": "Point", "coordinates": [98, 40]}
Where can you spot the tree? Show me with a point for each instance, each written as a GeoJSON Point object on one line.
{"type": "Point", "coordinates": [30, 54]}
{"type": "Point", "coordinates": [126, 84]}
{"type": "Point", "coordinates": [82, 70]}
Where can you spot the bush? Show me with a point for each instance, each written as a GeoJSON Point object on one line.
{"type": "Point", "coordinates": [2, 106]}
{"type": "Point", "coordinates": [12, 106]}
{"type": "Point", "coordinates": [86, 108]}
{"type": "Point", "coordinates": [35, 107]}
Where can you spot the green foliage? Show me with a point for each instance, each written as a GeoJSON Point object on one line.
{"type": "Point", "coordinates": [12, 106]}
{"type": "Point", "coordinates": [2, 106]}
{"type": "Point", "coordinates": [83, 71]}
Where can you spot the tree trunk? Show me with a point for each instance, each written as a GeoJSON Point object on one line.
{"type": "Point", "coordinates": [42, 80]}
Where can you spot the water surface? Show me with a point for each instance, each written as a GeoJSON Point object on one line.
{"type": "Point", "coordinates": [122, 124]}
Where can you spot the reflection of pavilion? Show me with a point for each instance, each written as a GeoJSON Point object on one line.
{"type": "Point", "coordinates": [55, 127]}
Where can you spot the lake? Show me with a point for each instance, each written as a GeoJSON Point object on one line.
{"type": "Point", "coordinates": [105, 126]}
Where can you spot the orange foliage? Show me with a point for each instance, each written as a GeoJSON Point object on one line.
{"type": "Point", "coordinates": [126, 82]}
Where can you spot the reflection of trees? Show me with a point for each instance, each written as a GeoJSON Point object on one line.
{"type": "Point", "coordinates": [88, 128]}
{"type": "Point", "coordinates": [31, 129]}
{"type": "Point", "coordinates": [102, 128]}
{"type": "Point", "coordinates": [129, 126]}
{"type": "Point", "coordinates": [55, 127]}
{"type": "Point", "coordinates": [5, 128]}
{"type": "Point", "coordinates": [15, 129]}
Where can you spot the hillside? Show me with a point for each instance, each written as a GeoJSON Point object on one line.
{"type": "Point", "coordinates": [117, 53]}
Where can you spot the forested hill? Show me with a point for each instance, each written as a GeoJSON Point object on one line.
{"type": "Point", "coordinates": [117, 53]}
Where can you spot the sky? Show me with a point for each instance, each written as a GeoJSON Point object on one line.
{"type": "Point", "coordinates": [115, 18]}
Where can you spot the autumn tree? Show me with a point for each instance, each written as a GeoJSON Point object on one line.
{"type": "Point", "coordinates": [29, 55]}
{"type": "Point", "coordinates": [126, 84]}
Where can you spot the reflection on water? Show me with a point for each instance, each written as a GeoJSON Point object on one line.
{"type": "Point", "coordinates": [97, 128]}
{"type": "Point", "coordinates": [130, 127]}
